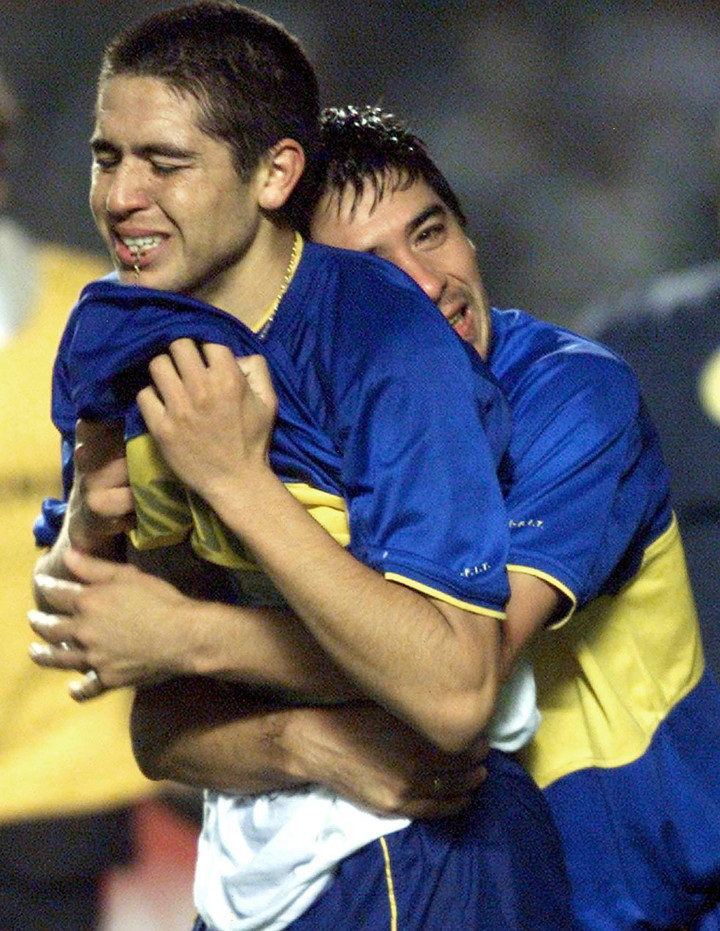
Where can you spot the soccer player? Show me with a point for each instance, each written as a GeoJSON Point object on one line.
{"type": "Point", "coordinates": [630, 737]}
{"type": "Point", "coordinates": [203, 117]}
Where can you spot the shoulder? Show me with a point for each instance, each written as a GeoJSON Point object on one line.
{"type": "Point", "coordinates": [547, 368]}
{"type": "Point", "coordinates": [358, 305]}
{"type": "Point", "coordinates": [359, 287]}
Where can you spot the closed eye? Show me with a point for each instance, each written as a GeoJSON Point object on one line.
{"type": "Point", "coordinates": [105, 157]}
{"type": "Point", "coordinates": [166, 168]}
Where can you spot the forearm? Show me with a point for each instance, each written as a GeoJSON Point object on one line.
{"type": "Point", "coordinates": [263, 647]}
{"type": "Point", "coordinates": [434, 666]}
{"type": "Point", "coordinates": [134, 628]}
{"type": "Point", "coordinates": [204, 734]}
{"type": "Point", "coordinates": [211, 735]}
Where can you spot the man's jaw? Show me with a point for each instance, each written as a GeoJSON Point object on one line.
{"type": "Point", "coordinates": [460, 318]}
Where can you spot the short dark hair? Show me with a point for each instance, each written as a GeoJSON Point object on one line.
{"type": "Point", "coordinates": [361, 143]}
{"type": "Point", "coordinates": [250, 76]}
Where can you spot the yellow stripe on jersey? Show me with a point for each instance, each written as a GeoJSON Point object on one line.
{"type": "Point", "coordinates": [443, 596]}
{"type": "Point", "coordinates": [167, 513]}
{"type": "Point", "coordinates": [610, 677]}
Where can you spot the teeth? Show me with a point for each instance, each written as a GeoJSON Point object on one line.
{"type": "Point", "coordinates": [456, 318]}
{"type": "Point", "coordinates": [138, 245]}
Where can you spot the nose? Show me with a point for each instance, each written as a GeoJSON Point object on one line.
{"type": "Point", "coordinates": [127, 190]}
{"type": "Point", "coordinates": [424, 274]}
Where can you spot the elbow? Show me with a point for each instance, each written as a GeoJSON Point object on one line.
{"type": "Point", "coordinates": [148, 759]}
{"type": "Point", "coordinates": [455, 723]}
{"type": "Point", "coordinates": [149, 736]}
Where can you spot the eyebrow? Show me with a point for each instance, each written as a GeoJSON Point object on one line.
{"type": "Point", "coordinates": [434, 210]}
{"type": "Point", "coordinates": [99, 144]}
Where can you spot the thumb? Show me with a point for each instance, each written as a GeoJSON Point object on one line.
{"type": "Point", "coordinates": [257, 375]}
{"type": "Point", "coordinates": [89, 568]}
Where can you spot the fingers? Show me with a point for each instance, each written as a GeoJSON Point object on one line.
{"type": "Point", "coordinates": [182, 372]}
{"type": "Point", "coordinates": [437, 808]}
{"type": "Point", "coordinates": [150, 405]}
{"type": "Point", "coordinates": [457, 783]}
{"type": "Point", "coordinates": [88, 687]}
{"type": "Point", "coordinates": [65, 654]}
{"type": "Point", "coordinates": [52, 628]}
{"type": "Point", "coordinates": [59, 593]}
{"type": "Point", "coordinates": [166, 382]}
{"type": "Point", "coordinates": [87, 569]}
{"type": "Point", "coordinates": [61, 650]}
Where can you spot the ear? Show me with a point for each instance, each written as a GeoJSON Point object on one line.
{"type": "Point", "coordinates": [284, 166]}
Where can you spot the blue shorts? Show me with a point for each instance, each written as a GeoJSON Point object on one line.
{"type": "Point", "coordinates": [642, 841]}
{"type": "Point", "coordinates": [496, 867]}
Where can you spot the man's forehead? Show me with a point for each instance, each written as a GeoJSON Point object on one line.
{"type": "Point", "coordinates": [378, 194]}
{"type": "Point", "coordinates": [144, 99]}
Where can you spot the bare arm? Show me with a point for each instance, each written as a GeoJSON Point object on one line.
{"type": "Point", "coordinates": [246, 752]}
{"type": "Point", "coordinates": [533, 604]}
{"type": "Point", "coordinates": [100, 505]}
{"type": "Point", "coordinates": [433, 664]}
{"type": "Point", "coordinates": [133, 628]}
{"type": "Point", "coordinates": [220, 737]}
{"type": "Point", "coordinates": [357, 750]}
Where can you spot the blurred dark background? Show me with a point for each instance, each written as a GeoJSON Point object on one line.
{"type": "Point", "coordinates": [580, 135]}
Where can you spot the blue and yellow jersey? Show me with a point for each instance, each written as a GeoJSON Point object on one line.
{"type": "Point", "coordinates": [389, 429]}
{"type": "Point", "coordinates": [587, 493]}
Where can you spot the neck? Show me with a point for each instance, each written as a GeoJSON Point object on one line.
{"type": "Point", "coordinates": [248, 289]}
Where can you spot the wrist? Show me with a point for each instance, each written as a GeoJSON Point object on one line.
{"type": "Point", "coordinates": [244, 496]}
{"type": "Point", "coordinates": [290, 733]}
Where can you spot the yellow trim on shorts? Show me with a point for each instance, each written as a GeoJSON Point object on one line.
{"type": "Point", "coordinates": [392, 901]}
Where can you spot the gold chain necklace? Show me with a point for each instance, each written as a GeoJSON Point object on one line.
{"type": "Point", "coordinates": [263, 331]}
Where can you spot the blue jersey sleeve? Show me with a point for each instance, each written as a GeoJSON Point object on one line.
{"type": "Point", "coordinates": [588, 488]}
{"type": "Point", "coordinates": [48, 523]}
{"type": "Point", "coordinates": [422, 426]}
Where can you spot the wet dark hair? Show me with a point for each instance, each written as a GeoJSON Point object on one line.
{"type": "Point", "coordinates": [251, 78]}
{"type": "Point", "coordinates": [361, 143]}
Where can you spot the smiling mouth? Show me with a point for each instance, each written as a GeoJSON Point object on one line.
{"type": "Point", "coordinates": [457, 317]}
{"type": "Point", "coordinates": [138, 246]}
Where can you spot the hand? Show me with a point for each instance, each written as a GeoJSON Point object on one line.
{"type": "Point", "coordinates": [211, 414]}
{"type": "Point", "coordinates": [366, 755]}
{"type": "Point", "coordinates": [100, 507]}
{"type": "Point", "coordinates": [117, 624]}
